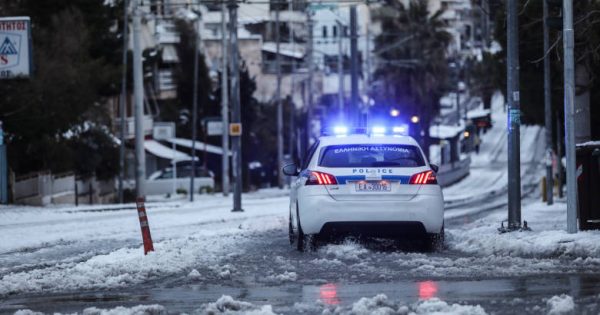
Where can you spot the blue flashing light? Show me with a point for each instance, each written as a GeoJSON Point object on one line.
{"type": "Point", "coordinates": [340, 130]}
{"type": "Point", "coordinates": [400, 130]}
{"type": "Point", "coordinates": [378, 130]}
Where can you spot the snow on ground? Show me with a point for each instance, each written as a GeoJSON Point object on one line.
{"type": "Point", "coordinates": [559, 305]}
{"type": "Point", "coordinates": [548, 238]}
{"type": "Point", "coordinates": [49, 249]}
{"type": "Point", "coordinates": [377, 305]}
{"type": "Point", "coordinates": [488, 173]}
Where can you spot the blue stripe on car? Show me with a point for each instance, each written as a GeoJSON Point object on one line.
{"type": "Point", "coordinates": [344, 179]}
{"type": "Point", "coordinates": [398, 178]}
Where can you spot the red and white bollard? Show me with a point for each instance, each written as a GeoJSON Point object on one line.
{"type": "Point", "coordinates": [141, 208]}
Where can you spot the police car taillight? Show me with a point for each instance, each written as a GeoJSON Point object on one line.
{"type": "Point", "coordinates": [427, 177]}
{"type": "Point", "coordinates": [320, 178]}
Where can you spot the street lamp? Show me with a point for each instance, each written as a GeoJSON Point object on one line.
{"type": "Point", "coordinates": [415, 119]}
{"type": "Point", "coordinates": [394, 112]}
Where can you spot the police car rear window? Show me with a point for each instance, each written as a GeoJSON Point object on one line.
{"type": "Point", "coordinates": [371, 155]}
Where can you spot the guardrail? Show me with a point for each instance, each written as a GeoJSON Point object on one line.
{"type": "Point", "coordinates": [451, 173]}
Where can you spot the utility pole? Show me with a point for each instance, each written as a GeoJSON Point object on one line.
{"type": "Point", "coordinates": [138, 86]}
{"type": "Point", "coordinates": [368, 57]}
{"type": "Point", "coordinates": [354, 69]}
{"type": "Point", "coordinates": [195, 108]}
{"type": "Point", "coordinates": [514, 118]}
{"type": "Point", "coordinates": [340, 65]}
{"type": "Point", "coordinates": [224, 104]}
{"type": "Point", "coordinates": [236, 141]}
{"type": "Point", "coordinates": [4, 169]}
{"type": "Point", "coordinates": [569, 97]}
{"type": "Point", "coordinates": [458, 97]}
{"type": "Point", "coordinates": [559, 152]}
{"type": "Point", "coordinates": [548, 108]}
{"type": "Point", "coordinates": [280, 176]}
{"type": "Point", "coordinates": [292, 79]}
{"type": "Point", "coordinates": [309, 60]}
{"type": "Point", "coordinates": [123, 101]}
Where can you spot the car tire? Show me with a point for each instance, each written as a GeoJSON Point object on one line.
{"type": "Point", "coordinates": [300, 241]}
{"type": "Point", "coordinates": [291, 233]}
{"type": "Point", "coordinates": [435, 241]}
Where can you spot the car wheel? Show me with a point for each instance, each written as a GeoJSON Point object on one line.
{"type": "Point", "coordinates": [301, 241]}
{"type": "Point", "coordinates": [291, 233]}
{"type": "Point", "coordinates": [435, 241]}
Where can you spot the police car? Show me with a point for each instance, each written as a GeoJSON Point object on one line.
{"type": "Point", "coordinates": [369, 184]}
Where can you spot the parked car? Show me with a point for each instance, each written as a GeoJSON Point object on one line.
{"type": "Point", "coordinates": [162, 182]}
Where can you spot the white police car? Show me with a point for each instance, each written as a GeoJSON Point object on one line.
{"type": "Point", "coordinates": [370, 184]}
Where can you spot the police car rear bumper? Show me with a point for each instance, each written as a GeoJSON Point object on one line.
{"type": "Point", "coordinates": [423, 213]}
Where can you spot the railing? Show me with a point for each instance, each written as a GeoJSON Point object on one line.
{"type": "Point", "coordinates": [44, 188]}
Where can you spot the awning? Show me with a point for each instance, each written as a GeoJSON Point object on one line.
{"type": "Point", "coordinates": [445, 131]}
{"type": "Point", "coordinates": [155, 148]}
{"type": "Point", "coordinates": [287, 51]}
{"type": "Point", "coordinates": [199, 145]}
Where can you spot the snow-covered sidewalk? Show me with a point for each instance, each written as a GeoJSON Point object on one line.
{"type": "Point", "coordinates": [548, 238]}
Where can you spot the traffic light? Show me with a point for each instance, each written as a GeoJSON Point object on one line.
{"type": "Point", "coordinates": [554, 19]}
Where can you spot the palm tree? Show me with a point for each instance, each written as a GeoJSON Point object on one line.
{"type": "Point", "coordinates": [412, 68]}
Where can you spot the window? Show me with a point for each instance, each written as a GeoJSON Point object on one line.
{"type": "Point", "coordinates": [309, 155]}
{"type": "Point", "coordinates": [371, 155]}
{"type": "Point", "coordinates": [334, 30]}
{"type": "Point", "coordinates": [324, 31]}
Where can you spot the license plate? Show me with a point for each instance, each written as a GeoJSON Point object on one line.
{"type": "Point", "coordinates": [373, 186]}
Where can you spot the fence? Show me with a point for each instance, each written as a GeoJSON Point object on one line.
{"type": "Point", "coordinates": [44, 188]}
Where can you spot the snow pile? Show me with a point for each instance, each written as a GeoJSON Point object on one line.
{"type": "Point", "coordinates": [562, 304]}
{"type": "Point", "coordinates": [194, 274]}
{"type": "Point", "coordinates": [284, 277]}
{"type": "Point", "coordinates": [154, 309]}
{"type": "Point", "coordinates": [439, 307]}
{"type": "Point", "coordinates": [346, 251]}
{"type": "Point", "coordinates": [227, 305]}
{"type": "Point", "coordinates": [223, 272]}
{"type": "Point", "coordinates": [548, 239]}
{"type": "Point", "coordinates": [136, 310]}
{"type": "Point", "coordinates": [378, 305]}
{"type": "Point", "coordinates": [381, 305]}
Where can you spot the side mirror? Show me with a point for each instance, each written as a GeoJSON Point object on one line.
{"type": "Point", "coordinates": [291, 170]}
{"type": "Point", "coordinates": [434, 167]}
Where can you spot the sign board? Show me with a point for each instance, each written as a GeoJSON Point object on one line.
{"type": "Point", "coordinates": [214, 128]}
{"type": "Point", "coordinates": [163, 130]}
{"type": "Point", "coordinates": [235, 129]}
{"type": "Point", "coordinates": [15, 47]}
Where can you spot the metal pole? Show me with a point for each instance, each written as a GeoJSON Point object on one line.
{"type": "Point", "coordinates": [236, 114]}
{"type": "Point", "coordinates": [354, 68]}
{"type": "Point", "coordinates": [309, 59]}
{"type": "Point", "coordinates": [340, 65]}
{"type": "Point", "coordinates": [195, 110]}
{"type": "Point", "coordinates": [569, 85]}
{"type": "Point", "coordinates": [138, 85]}
{"type": "Point", "coordinates": [123, 102]}
{"type": "Point", "coordinates": [368, 57]}
{"type": "Point", "coordinates": [292, 79]}
{"type": "Point", "coordinates": [3, 169]}
{"type": "Point", "coordinates": [458, 98]}
{"type": "Point", "coordinates": [559, 153]}
{"type": "Point", "coordinates": [514, 119]}
{"type": "Point", "coordinates": [280, 176]}
{"type": "Point", "coordinates": [224, 104]}
{"type": "Point", "coordinates": [173, 167]}
{"type": "Point", "coordinates": [548, 109]}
